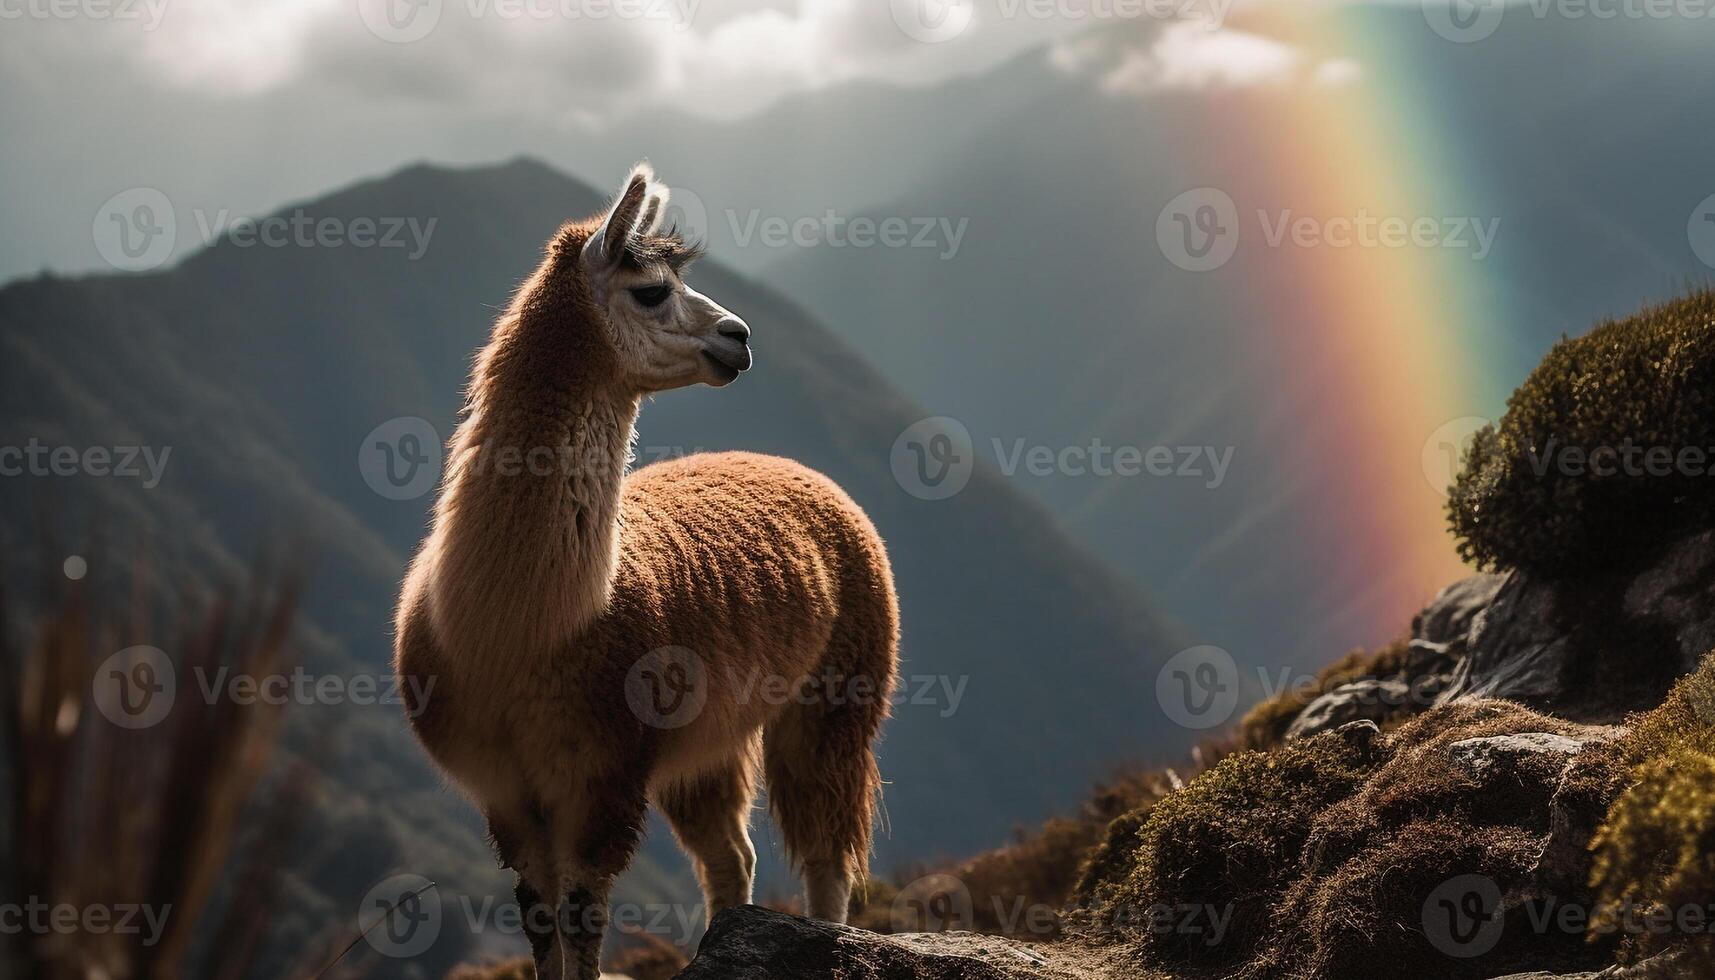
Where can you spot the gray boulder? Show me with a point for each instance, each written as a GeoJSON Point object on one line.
{"type": "Point", "coordinates": [1363, 700]}
{"type": "Point", "coordinates": [1594, 648]}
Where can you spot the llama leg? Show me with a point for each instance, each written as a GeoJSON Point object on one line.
{"type": "Point", "coordinates": [596, 837]}
{"type": "Point", "coordinates": [520, 840]}
{"type": "Point", "coordinates": [822, 776]}
{"type": "Point", "coordinates": [710, 814]}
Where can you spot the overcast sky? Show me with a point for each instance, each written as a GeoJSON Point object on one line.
{"type": "Point", "coordinates": [247, 104]}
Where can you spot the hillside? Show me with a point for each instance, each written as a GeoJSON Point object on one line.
{"type": "Point", "coordinates": [264, 368]}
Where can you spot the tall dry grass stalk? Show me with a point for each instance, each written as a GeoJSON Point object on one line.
{"type": "Point", "coordinates": [105, 817]}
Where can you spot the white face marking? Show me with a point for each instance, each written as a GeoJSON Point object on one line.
{"type": "Point", "coordinates": [665, 334]}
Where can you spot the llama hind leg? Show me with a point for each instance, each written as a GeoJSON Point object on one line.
{"type": "Point", "coordinates": [710, 814]}
{"type": "Point", "coordinates": [821, 770]}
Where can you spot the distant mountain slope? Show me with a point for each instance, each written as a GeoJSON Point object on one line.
{"type": "Point", "coordinates": [263, 369]}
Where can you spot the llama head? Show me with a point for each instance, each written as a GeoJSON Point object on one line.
{"type": "Point", "coordinates": [660, 332]}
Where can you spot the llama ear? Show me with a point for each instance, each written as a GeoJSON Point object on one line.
{"type": "Point", "coordinates": [655, 209]}
{"type": "Point", "coordinates": [637, 212]}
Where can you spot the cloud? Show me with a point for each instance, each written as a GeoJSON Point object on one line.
{"type": "Point", "coordinates": [1194, 56]}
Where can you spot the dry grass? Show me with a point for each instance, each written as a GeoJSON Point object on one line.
{"type": "Point", "coordinates": [107, 817]}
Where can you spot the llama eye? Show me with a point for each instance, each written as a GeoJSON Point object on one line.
{"type": "Point", "coordinates": [652, 295]}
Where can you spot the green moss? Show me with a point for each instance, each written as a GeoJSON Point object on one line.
{"type": "Point", "coordinates": [1656, 852]}
{"type": "Point", "coordinates": [1230, 840]}
{"type": "Point", "coordinates": [1526, 498]}
{"type": "Point", "coordinates": [1324, 853]}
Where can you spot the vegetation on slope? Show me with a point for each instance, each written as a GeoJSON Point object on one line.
{"type": "Point", "coordinates": [1604, 451]}
{"type": "Point", "coordinates": [1655, 855]}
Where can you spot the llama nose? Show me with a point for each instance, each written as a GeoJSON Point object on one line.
{"type": "Point", "coordinates": [734, 328]}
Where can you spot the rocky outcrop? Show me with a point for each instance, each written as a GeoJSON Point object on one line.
{"type": "Point", "coordinates": [1596, 648]}
{"type": "Point", "coordinates": [752, 943]}
{"type": "Point", "coordinates": [1589, 650]}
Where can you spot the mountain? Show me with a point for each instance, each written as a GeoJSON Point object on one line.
{"type": "Point", "coordinates": [255, 372]}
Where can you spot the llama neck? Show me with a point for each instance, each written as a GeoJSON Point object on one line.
{"type": "Point", "coordinates": [528, 525]}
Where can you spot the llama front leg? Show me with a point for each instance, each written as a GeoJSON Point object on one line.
{"type": "Point", "coordinates": [520, 841]}
{"type": "Point", "coordinates": [597, 837]}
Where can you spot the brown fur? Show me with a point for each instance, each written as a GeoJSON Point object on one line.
{"type": "Point", "coordinates": [540, 589]}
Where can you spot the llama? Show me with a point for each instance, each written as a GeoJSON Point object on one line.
{"type": "Point", "coordinates": [601, 639]}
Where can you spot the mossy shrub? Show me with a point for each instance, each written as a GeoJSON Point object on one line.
{"type": "Point", "coordinates": [1603, 450]}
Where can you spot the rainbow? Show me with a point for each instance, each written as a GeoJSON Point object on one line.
{"type": "Point", "coordinates": [1390, 351]}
